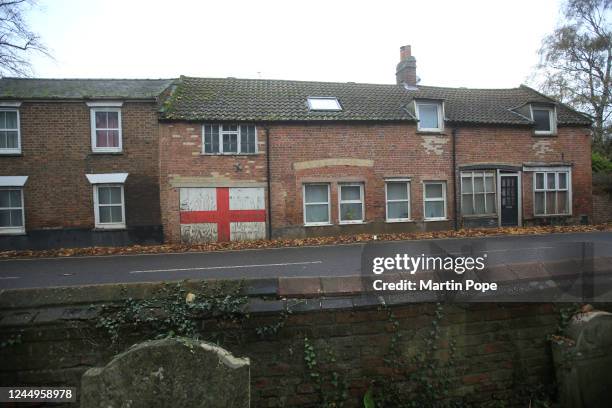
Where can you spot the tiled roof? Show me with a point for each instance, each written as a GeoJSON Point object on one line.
{"type": "Point", "coordinates": [221, 99]}
{"type": "Point", "coordinates": [40, 88]}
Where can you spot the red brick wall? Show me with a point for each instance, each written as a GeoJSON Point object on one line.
{"type": "Point", "coordinates": [181, 156]}
{"type": "Point", "coordinates": [395, 150]}
{"type": "Point", "coordinates": [501, 350]}
{"type": "Point", "coordinates": [515, 146]}
{"type": "Point", "coordinates": [368, 153]}
{"type": "Point", "coordinates": [56, 155]}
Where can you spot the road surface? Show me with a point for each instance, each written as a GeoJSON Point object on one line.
{"type": "Point", "coordinates": [337, 260]}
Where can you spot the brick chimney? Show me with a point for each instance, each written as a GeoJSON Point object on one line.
{"type": "Point", "coordinates": [405, 73]}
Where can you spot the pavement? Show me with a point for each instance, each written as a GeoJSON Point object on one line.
{"type": "Point", "coordinates": [502, 252]}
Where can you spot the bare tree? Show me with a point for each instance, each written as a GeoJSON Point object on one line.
{"type": "Point", "coordinates": [17, 41]}
{"type": "Point", "coordinates": [576, 59]}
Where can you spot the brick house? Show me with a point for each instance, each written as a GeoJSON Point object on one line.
{"type": "Point", "coordinates": [79, 162]}
{"type": "Point", "coordinates": [249, 158]}
{"type": "Point", "coordinates": [113, 162]}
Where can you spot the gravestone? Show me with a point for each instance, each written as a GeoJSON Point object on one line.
{"type": "Point", "coordinates": [172, 372]}
{"type": "Point", "coordinates": [583, 361]}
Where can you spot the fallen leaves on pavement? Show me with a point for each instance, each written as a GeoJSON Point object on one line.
{"type": "Point", "coordinates": [299, 242]}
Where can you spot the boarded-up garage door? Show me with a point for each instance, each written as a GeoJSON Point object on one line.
{"type": "Point", "coordinates": [222, 214]}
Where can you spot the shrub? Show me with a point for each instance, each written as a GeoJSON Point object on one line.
{"type": "Point", "coordinates": [600, 164]}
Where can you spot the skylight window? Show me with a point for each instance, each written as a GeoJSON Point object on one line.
{"type": "Point", "coordinates": [316, 103]}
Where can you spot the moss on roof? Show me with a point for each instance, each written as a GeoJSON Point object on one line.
{"type": "Point", "coordinates": [43, 88]}
{"type": "Point", "coordinates": [221, 99]}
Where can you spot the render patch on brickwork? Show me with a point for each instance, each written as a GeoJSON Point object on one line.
{"type": "Point", "coordinates": [542, 147]}
{"type": "Point", "coordinates": [313, 164]}
{"type": "Point", "coordinates": [434, 144]}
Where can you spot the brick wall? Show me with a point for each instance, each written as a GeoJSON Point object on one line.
{"type": "Point", "coordinates": [602, 208]}
{"type": "Point", "coordinates": [515, 146]}
{"type": "Point", "coordinates": [56, 155]}
{"type": "Point", "coordinates": [602, 197]}
{"type": "Point", "coordinates": [368, 153]}
{"type": "Point", "coordinates": [501, 349]}
{"type": "Point", "coordinates": [182, 163]}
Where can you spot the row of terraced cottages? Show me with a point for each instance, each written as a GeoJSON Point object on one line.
{"type": "Point", "coordinates": [114, 162]}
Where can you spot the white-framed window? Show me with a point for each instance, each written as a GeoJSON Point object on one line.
{"type": "Point", "coordinates": [12, 217]}
{"type": "Point", "coordinates": [552, 193]}
{"type": "Point", "coordinates": [109, 206]}
{"type": "Point", "coordinates": [316, 204]}
{"type": "Point", "coordinates": [106, 134]}
{"type": "Point", "coordinates": [430, 116]}
{"type": "Point", "coordinates": [478, 193]}
{"type": "Point", "coordinates": [351, 204]}
{"type": "Point", "coordinates": [397, 197]}
{"type": "Point", "coordinates": [434, 200]}
{"type": "Point", "coordinates": [10, 135]}
{"type": "Point", "coordinates": [229, 139]}
{"type": "Point", "coordinates": [544, 118]}
{"type": "Point", "coordinates": [323, 103]}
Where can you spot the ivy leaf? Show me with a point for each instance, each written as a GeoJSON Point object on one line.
{"type": "Point", "coordinates": [368, 399]}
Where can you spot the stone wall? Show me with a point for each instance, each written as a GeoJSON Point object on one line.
{"type": "Point", "coordinates": [501, 350]}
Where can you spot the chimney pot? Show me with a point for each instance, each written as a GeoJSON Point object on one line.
{"type": "Point", "coordinates": [405, 52]}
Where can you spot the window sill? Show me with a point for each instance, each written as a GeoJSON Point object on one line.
{"type": "Point", "coordinates": [117, 153]}
{"type": "Point", "coordinates": [545, 134]}
{"type": "Point", "coordinates": [552, 216]}
{"type": "Point", "coordinates": [431, 132]}
{"type": "Point", "coordinates": [435, 219]}
{"type": "Point", "coordinates": [328, 224]}
{"type": "Point", "coordinates": [230, 154]}
{"type": "Point", "coordinates": [398, 221]}
{"type": "Point", "coordinates": [351, 222]}
{"type": "Point", "coordinates": [110, 228]}
{"type": "Point", "coordinates": [8, 153]}
{"type": "Point", "coordinates": [12, 232]}
{"type": "Point", "coordinates": [479, 216]}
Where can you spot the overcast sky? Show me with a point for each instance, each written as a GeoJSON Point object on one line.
{"type": "Point", "coordinates": [456, 43]}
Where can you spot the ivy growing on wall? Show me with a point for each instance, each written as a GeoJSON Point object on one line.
{"type": "Point", "coordinates": [174, 311]}
{"type": "Point", "coordinates": [331, 385]}
{"type": "Point", "coordinates": [423, 378]}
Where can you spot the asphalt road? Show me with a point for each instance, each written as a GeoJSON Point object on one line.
{"type": "Point", "coordinates": [339, 260]}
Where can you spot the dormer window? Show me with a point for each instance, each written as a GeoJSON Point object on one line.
{"type": "Point", "coordinates": [317, 103]}
{"type": "Point", "coordinates": [544, 119]}
{"type": "Point", "coordinates": [429, 116]}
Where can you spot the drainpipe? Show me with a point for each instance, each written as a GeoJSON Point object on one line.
{"type": "Point", "coordinates": [268, 176]}
{"type": "Point", "coordinates": [454, 161]}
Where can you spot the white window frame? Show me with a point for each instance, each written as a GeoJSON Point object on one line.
{"type": "Point", "coordinates": [360, 201]}
{"type": "Point", "coordinates": [315, 99]}
{"type": "Point", "coordinates": [568, 189]}
{"type": "Point", "coordinates": [94, 147]}
{"type": "Point", "coordinates": [108, 225]}
{"type": "Point", "coordinates": [16, 150]}
{"type": "Point", "coordinates": [443, 199]}
{"type": "Point", "coordinates": [480, 174]}
{"type": "Point", "coordinates": [317, 203]}
{"type": "Point", "coordinates": [552, 117]}
{"type": "Point", "coordinates": [238, 132]}
{"type": "Point", "coordinates": [14, 230]}
{"type": "Point", "coordinates": [440, 108]}
{"type": "Point", "coordinates": [407, 200]}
